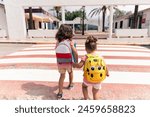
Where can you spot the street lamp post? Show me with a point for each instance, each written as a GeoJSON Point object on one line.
{"type": "Point", "coordinates": [83, 12]}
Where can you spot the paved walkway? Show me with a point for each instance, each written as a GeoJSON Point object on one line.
{"type": "Point", "coordinates": [32, 73]}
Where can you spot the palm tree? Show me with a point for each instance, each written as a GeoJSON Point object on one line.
{"type": "Point", "coordinates": [97, 11]}
{"type": "Point", "coordinates": [135, 20]}
{"type": "Point", "coordinates": [57, 9]}
{"type": "Point", "coordinates": [104, 8]}
{"type": "Point", "coordinates": [119, 13]}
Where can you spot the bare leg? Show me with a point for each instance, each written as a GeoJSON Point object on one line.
{"type": "Point", "coordinates": [85, 91]}
{"type": "Point", "coordinates": [61, 82]}
{"type": "Point", "coordinates": [71, 78]}
{"type": "Point", "coordinates": [95, 93]}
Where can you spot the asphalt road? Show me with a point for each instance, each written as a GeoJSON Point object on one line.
{"type": "Point", "coordinates": [6, 49]}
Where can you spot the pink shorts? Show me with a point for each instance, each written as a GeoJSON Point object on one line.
{"type": "Point", "coordinates": [63, 68]}
{"type": "Point", "coordinates": [96, 86]}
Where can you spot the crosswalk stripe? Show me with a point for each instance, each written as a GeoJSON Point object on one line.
{"type": "Point", "coordinates": [53, 60]}
{"type": "Point", "coordinates": [83, 53]}
{"type": "Point", "coordinates": [83, 48]}
{"type": "Point", "coordinates": [102, 46]}
{"type": "Point", "coordinates": [124, 58]}
{"type": "Point", "coordinates": [54, 56]}
{"type": "Point", "coordinates": [53, 76]}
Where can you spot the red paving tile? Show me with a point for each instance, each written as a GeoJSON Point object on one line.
{"type": "Point", "coordinates": [31, 90]}
{"type": "Point", "coordinates": [53, 66]}
{"type": "Point", "coordinates": [54, 56]}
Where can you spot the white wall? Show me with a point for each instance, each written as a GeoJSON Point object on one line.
{"type": "Point", "coordinates": [146, 15]}
{"type": "Point", "coordinates": [42, 33]}
{"type": "Point", "coordinates": [125, 23]}
{"type": "Point", "coordinates": [15, 21]}
{"type": "Point", "coordinates": [36, 24]}
{"type": "Point", "coordinates": [146, 25]}
{"type": "Point", "coordinates": [3, 24]}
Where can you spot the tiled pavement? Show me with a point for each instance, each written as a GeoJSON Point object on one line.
{"type": "Point", "coordinates": [32, 73]}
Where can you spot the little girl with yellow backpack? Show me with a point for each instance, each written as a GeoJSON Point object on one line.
{"type": "Point", "coordinates": [95, 70]}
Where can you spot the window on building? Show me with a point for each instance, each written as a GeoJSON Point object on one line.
{"type": "Point", "coordinates": [129, 23]}
{"type": "Point", "coordinates": [40, 25]}
{"type": "Point", "coordinates": [45, 25]}
{"type": "Point", "coordinates": [116, 24]}
{"type": "Point", "coordinates": [121, 24]}
{"type": "Point", "coordinates": [140, 22]}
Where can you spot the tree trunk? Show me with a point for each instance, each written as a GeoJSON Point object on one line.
{"type": "Point", "coordinates": [104, 13]}
{"type": "Point", "coordinates": [30, 18]}
{"type": "Point", "coordinates": [135, 16]}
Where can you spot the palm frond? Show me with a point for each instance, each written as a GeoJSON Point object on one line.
{"type": "Point", "coordinates": [104, 8]}
{"type": "Point", "coordinates": [94, 11]}
{"type": "Point", "coordinates": [98, 11]}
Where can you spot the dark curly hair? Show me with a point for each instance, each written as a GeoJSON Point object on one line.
{"type": "Point", "coordinates": [90, 43]}
{"type": "Point", "coordinates": [64, 32]}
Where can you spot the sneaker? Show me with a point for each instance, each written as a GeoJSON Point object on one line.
{"type": "Point", "coordinates": [59, 96]}
{"type": "Point", "coordinates": [70, 86]}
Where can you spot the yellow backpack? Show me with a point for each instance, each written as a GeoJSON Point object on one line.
{"type": "Point", "coordinates": [94, 69]}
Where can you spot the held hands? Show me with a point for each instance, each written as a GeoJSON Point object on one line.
{"type": "Point", "coordinates": [107, 73]}
{"type": "Point", "coordinates": [74, 65]}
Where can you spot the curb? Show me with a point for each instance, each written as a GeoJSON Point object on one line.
{"type": "Point", "coordinates": [18, 42]}
{"type": "Point", "coordinates": [101, 42]}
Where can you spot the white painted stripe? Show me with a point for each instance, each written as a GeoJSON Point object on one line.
{"type": "Point", "coordinates": [109, 48]}
{"type": "Point", "coordinates": [52, 52]}
{"type": "Point", "coordinates": [39, 48]}
{"type": "Point", "coordinates": [82, 45]}
{"type": "Point", "coordinates": [128, 78]}
{"type": "Point", "coordinates": [113, 53]}
{"type": "Point", "coordinates": [114, 46]}
{"type": "Point", "coordinates": [28, 60]}
{"type": "Point", "coordinates": [32, 53]}
{"type": "Point", "coordinates": [53, 75]}
{"type": "Point", "coordinates": [39, 45]}
{"type": "Point", "coordinates": [53, 60]}
{"type": "Point", "coordinates": [100, 49]}
{"type": "Point", "coordinates": [127, 62]}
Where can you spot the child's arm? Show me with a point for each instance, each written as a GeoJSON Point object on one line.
{"type": "Point", "coordinates": [74, 51]}
{"type": "Point", "coordinates": [56, 44]}
{"type": "Point", "coordinates": [107, 72]}
{"type": "Point", "coordinates": [78, 65]}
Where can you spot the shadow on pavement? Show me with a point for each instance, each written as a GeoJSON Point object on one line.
{"type": "Point", "coordinates": [146, 46]}
{"type": "Point", "coordinates": [40, 91]}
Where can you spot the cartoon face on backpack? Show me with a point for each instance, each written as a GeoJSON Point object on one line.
{"type": "Point", "coordinates": [94, 69]}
